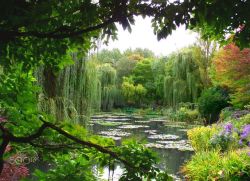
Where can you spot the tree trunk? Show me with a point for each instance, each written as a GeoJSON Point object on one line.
{"type": "Point", "coordinates": [49, 82]}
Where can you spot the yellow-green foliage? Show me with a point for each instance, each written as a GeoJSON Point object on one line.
{"type": "Point", "coordinates": [189, 115]}
{"type": "Point", "coordinates": [216, 166]}
{"type": "Point", "coordinates": [200, 136]}
{"type": "Point", "coordinates": [133, 93]}
{"type": "Point", "coordinates": [244, 120]}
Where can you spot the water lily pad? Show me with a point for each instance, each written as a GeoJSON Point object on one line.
{"type": "Point", "coordinates": [152, 132]}
{"type": "Point", "coordinates": [110, 117]}
{"type": "Point", "coordinates": [155, 145]}
{"type": "Point", "coordinates": [114, 132]}
{"type": "Point", "coordinates": [175, 126]}
{"type": "Point", "coordinates": [157, 120]}
{"type": "Point", "coordinates": [182, 145]}
{"type": "Point", "coordinates": [183, 130]}
{"type": "Point", "coordinates": [142, 121]}
{"type": "Point", "coordinates": [138, 117]}
{"type": "Point", "coordinates": [130, 126]}
{"type": "Point", "coordinates": [117, 119]}
{"type": "Point", "coordinates": [164, 137]}
{"type": "Point", "coordinates": [108, 123]}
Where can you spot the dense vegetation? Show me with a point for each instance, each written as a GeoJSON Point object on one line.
{"type": "Point", "coordinates": [49, 86]}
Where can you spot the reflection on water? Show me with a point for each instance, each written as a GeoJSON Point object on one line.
{"type": "Point", "coordinates": [168, 139]}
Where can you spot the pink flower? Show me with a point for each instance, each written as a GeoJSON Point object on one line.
{"type": "Point", "coordinates": [3, 119]}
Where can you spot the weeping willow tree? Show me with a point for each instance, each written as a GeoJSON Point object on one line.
{"type": "Point", "coordinates": [73, 92]}
{"type": "Point", "coordinates": [109, 92]}
{"type": "Point", "coordinates": [182, 82]}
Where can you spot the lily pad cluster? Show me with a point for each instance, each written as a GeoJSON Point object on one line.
{"type": "Point", "coordinates": [133, 126]}
{"type": "Point", "coordinates": [114, 132]}
{"type": "Point", "coordinates": [181, 145]}
{"type": "Point", "coordinates": [164, 137]}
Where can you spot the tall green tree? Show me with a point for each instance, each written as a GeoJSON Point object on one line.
{"type": "Point", "coordinates": [182, 82]}
{"type": "Point", "coordinates": [143, 74]}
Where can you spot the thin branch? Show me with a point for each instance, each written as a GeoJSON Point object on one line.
{"type": "Point", "coordinates": [56, 146]}
{"type": "Point", "coordinates": [56, 34]}
{"type": "Point", "coordinates": [86, 143]}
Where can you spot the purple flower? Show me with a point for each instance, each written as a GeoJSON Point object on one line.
{"type": "Point", "coordinates": [240, 142]}
{"type": "Point", "coordinates": [228, 127]}
{"type": "Point", "coordinates": [245, 131]}
{"type": "Point", "coordinates": [248, 153]}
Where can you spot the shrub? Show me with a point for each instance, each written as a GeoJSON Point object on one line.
{"type": "Point", "coordinates": [213, 165]}
{"type": "Point", "coordinates": [226, 114]}
{"type": "Point", "coordinates": [183, 114]}
{"type": "Point", "coordinates": [244, 120]}
{"type": "Point", "coordinates": [211, 102]}
{"type": "Point", "coordinates": [200, 137]}
{"type": "Point", "coordinates": [225, 139]}
{"type": "Point", "coordinates": [188, 115]}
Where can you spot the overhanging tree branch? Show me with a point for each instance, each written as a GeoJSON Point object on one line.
{"type": "Point", "coordinates": [9, 137]}
{"type": "Point", "coordinates": [57, 34]}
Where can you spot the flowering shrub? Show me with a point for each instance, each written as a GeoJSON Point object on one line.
{"type": "Point", "coordinates": [208, 163]}
{"type": "Point", "coordinates": [224, 138]}
{"type": "Point", "coordinates": [245, 135]}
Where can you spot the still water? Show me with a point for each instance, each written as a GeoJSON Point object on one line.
{"type": "Point", "coordinates": [168, 139]}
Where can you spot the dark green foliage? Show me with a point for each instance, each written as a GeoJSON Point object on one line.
{"type": "Point", "coordinates": [217, 19]}
{"type": "Point", "coordinates": [211, 102]}
{"type": "Point", "coordinates": [73, 166]}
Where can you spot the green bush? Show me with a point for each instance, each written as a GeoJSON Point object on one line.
{"type": "Point", "coordinates": [226, 113]}
{"type": "Point", "coordinates": [183, 114]}
{"type": "Point", "coordinates": [211, 102]}
{"type": "Point", "coordinates": [241, 122]}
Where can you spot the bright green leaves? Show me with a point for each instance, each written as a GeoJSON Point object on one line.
{"type": "Point", "coordinates": [142, 162]}
{"type": "Point", "coordinates": [18, 99]}
{"type": "Point", "coordinates": [134, 94]}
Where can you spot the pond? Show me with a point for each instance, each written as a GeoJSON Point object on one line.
{"type": "Point", "coordinates": [168, 139]}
